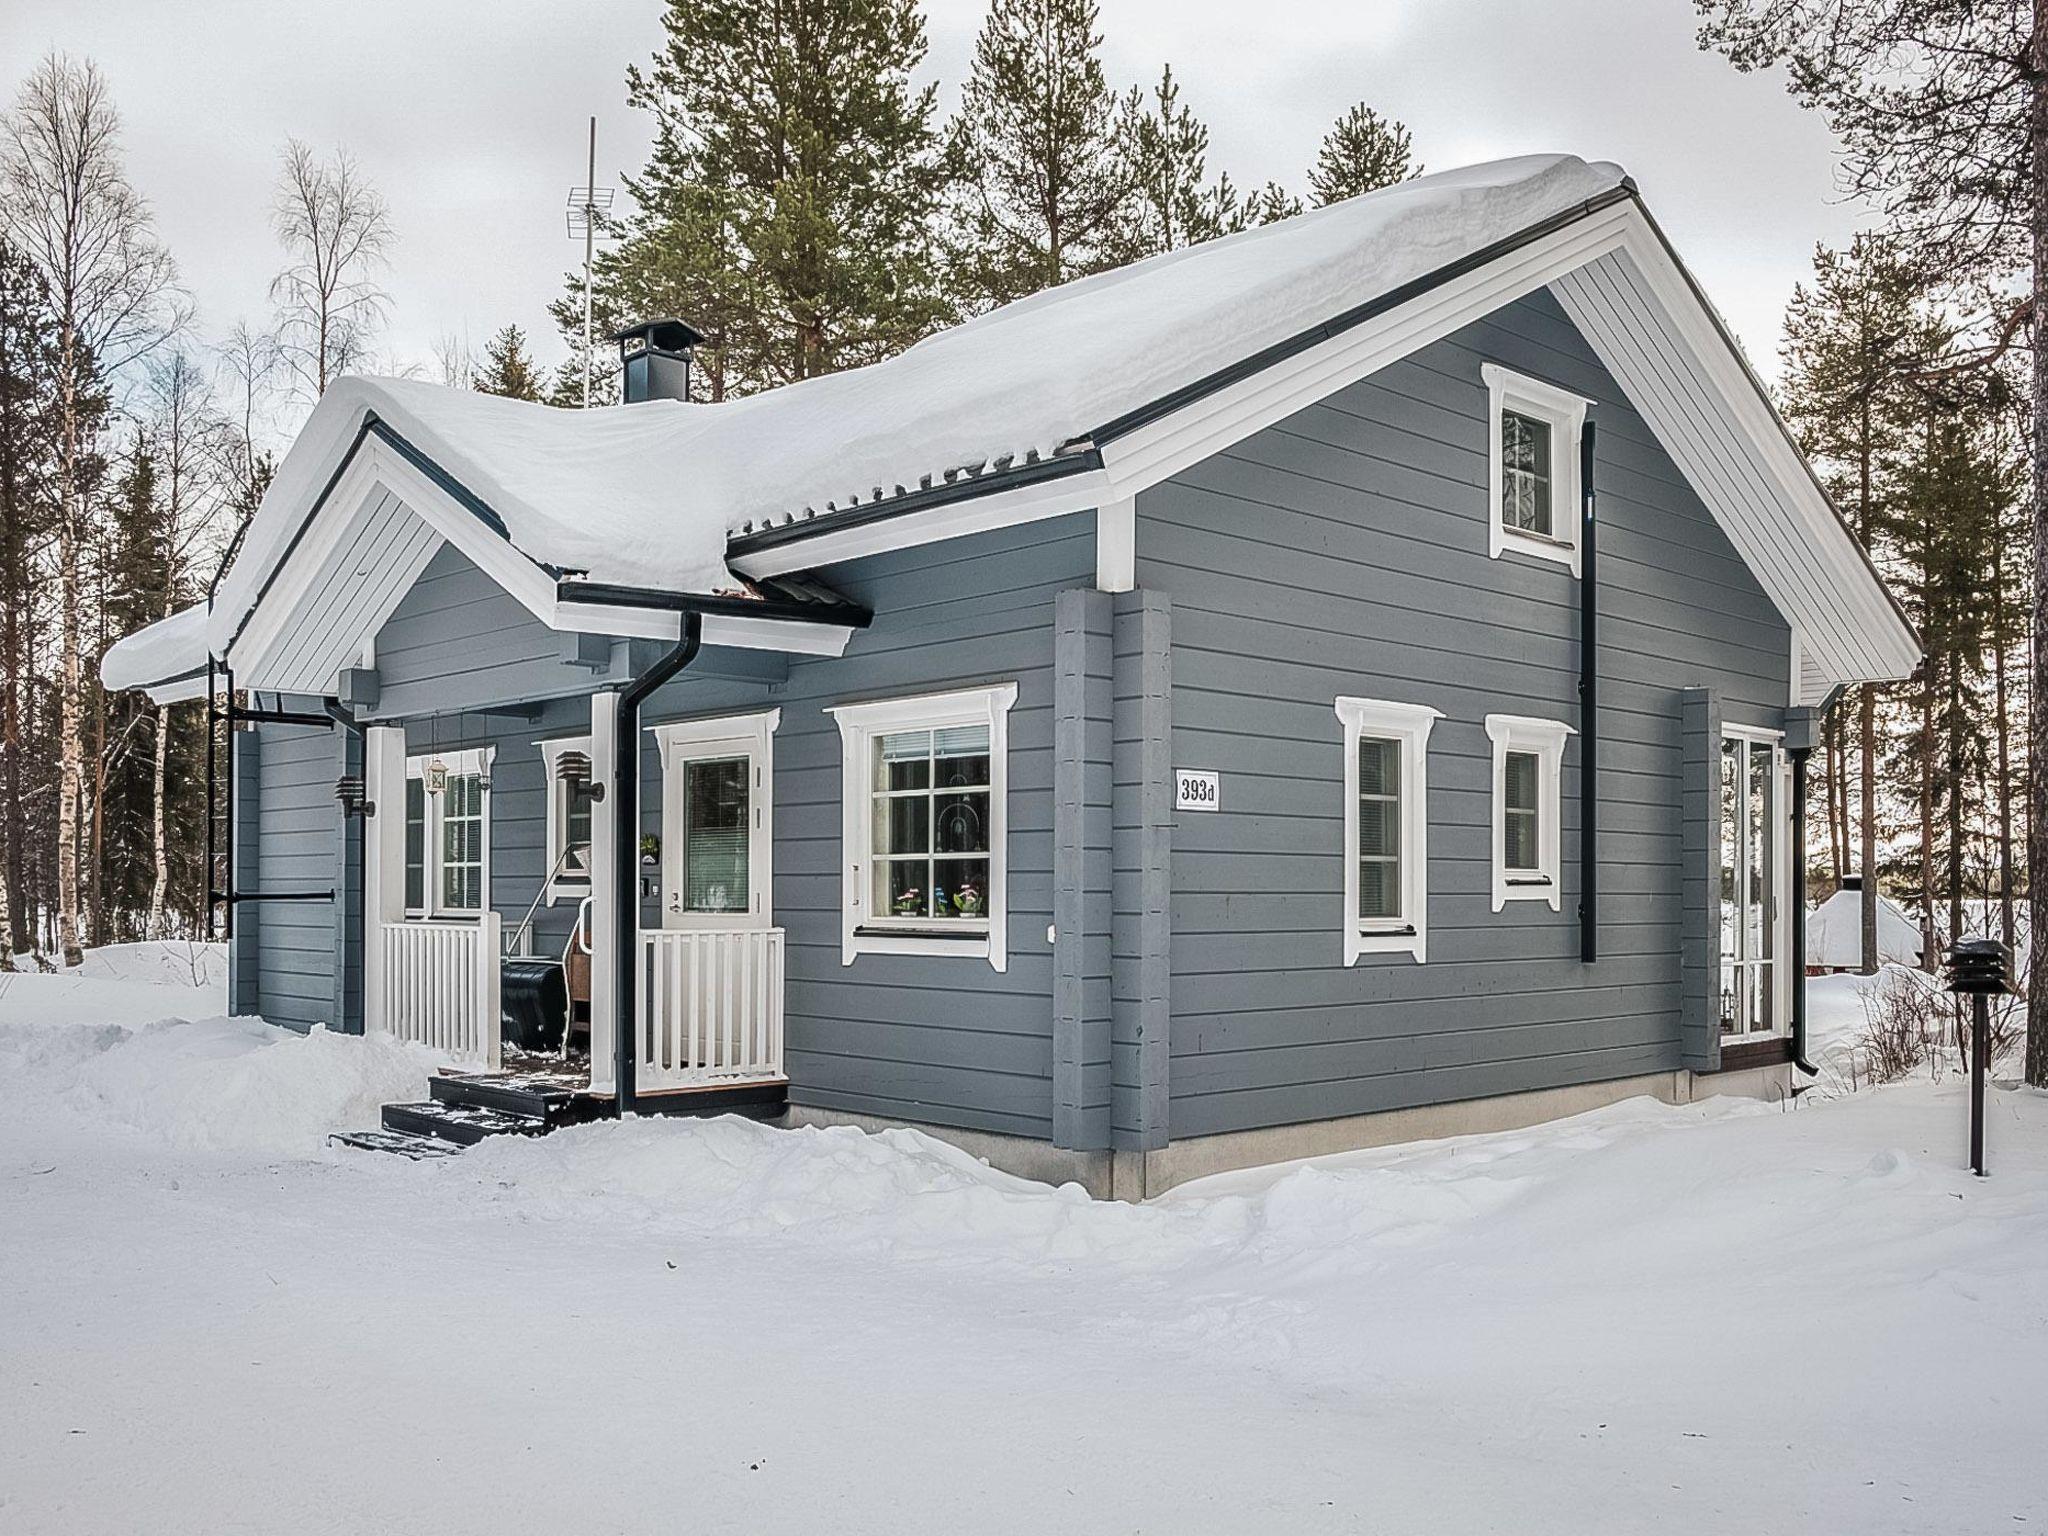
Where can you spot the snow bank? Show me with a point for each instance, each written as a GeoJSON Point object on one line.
{"type": "Point", "coordinates": [211, 1085]}
{"type": "Point", "coordinates": [168, 962]}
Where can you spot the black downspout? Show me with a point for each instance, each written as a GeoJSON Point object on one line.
{"type": "Point", "coordinates": [206, 890]}
{"type": "Point", "coordinates": [1798, 956]}
{"type": "Point", "coordinates": [227, 837]}
{"type": "Point", "coordinates": [626, 838]}
{"type": "Point", "coordinates": [353, 831]}
{"type": "Point", "coordinates": [1589, 708]}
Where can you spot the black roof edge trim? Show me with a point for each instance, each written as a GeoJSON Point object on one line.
{"type": "Point", "coordinates": [988, 483]}
{"type": "Point", "coordinates": [843, 613]}
{"type": "Point", "coordinates": [373, 424]}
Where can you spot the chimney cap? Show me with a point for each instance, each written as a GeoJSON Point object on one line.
{"type": "Point", "coordinates": [666, 335]}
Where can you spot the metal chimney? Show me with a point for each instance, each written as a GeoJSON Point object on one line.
{"type": "Point", "coordinates": [654, 358]}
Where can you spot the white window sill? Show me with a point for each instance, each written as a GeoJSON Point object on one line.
{"type": "Point", "coordinates": [574, 890]}
{"type": "Point", "coordinates": [972, 945]}
{"type": "Point", "coordinates": [1528, 888]}
{"type": "Point", "coordinates": [1385, 941]}
{"type": "Point", "coordinates": [1563, 552]}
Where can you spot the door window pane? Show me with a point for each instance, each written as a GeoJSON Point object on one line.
{"type": "Point", "coordinates": [415, 845]}
{"type": "Point", "coordinates": [1519, 811]}
{"type": "Point", "coordinates": [462, 843]}
{"type": "Point", "coordinates": [717, 826]}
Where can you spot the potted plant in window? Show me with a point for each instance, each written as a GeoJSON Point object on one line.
{"type": "Point", "coordinates": [967, 900]}
{"type": "Point", "coordinates": [910, 903]}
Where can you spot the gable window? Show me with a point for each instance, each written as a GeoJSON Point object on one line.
{"type": "Point", "coordinates": [1528, 766]}
{"type": "Point", "coordinates": [924, 782]}
{"type": "Point", "coordinates": [1386, 827]}
{"type": "Point", "coordinates": [1534, 447]}
{"type": "Point", "coordinates": [568, 819]}
{"type": "Point", "coordinates": [447, 832]}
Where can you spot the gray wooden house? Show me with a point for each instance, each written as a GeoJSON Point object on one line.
{"type": "Point", "coordinates": [1345, 681]}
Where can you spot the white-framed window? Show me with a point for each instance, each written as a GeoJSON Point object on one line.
{"type": "Point", "coordinates": [448, 832]}
{"type": "Point", "coordinates": [1533, 441]}
{"type": "Point", "coordinates": [717, 821]}
{"type": "Point", "coordinates": [1528, 769]}
{"type": "Point", "coordinates": [925, 825]}
{"type": "Point", "coordinates": [1386, 827]}
{"type": "Point", "coordinates": [569, 820]}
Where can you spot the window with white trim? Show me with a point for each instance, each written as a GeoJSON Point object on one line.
{"type": "Point", "coordinates": [570, 805]}
{"type": "Point", "coordinates": [1534, 450]}
{"type": "Point", "coordinates": [1528, 769]}
{"type": "Point", "coordinates": [1386, 827]}
{"type": "Point", "coordinates": [447, 832]}
{"type": "Point", "coordinates": [924, 824]}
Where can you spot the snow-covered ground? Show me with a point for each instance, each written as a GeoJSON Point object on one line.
{"type": "Point", "coordinates": [1728, 1317]}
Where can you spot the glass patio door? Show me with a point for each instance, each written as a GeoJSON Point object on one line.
{"type": "Point", "coordinates": [1755, 858]}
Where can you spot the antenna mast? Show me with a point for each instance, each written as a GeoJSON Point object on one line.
{"type": "Point", "coordinates": [587, 204]}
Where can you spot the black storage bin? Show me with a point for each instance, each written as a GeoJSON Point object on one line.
{"type": "Point", "coordinates": [533, 1002]}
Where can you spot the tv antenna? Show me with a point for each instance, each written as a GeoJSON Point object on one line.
{"type": "Point", "coordinates": [589, 205]}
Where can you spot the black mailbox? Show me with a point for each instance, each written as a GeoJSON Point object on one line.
{"type": "Point", "coordinates": [1979, 966]}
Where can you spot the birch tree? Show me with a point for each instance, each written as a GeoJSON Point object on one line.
{"type": "Point", "coordinates": [70, 209]}
{"type": "Point", "coordinates": [336, 232]}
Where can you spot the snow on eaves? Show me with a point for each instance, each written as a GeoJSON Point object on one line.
{"type": "Point", "coordinates": [647, 495]}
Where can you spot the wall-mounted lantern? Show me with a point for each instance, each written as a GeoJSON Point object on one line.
{"type": "Point", "coordinates": [349, 790]}
{"type": "Point", "coordinates": [573, 769]}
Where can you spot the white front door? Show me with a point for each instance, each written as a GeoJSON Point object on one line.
{"type": "Point", "coordinates": [717, 822]}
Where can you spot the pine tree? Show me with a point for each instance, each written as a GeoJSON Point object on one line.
{"type": "Point", "coordinates": [506, 369]}
{"type": "Point", "coordinates": [135, 578]}
{"type": "Point", "coordinates": [1943, 112]}
{"type": "Point", "coordinates": [1035, 150]}
{"type": "Point", "coordinates": [787, 210]}
{"type": "Point", "coordinates": [1362, 152]}
{"type": "Point", "coordinates": [1173, 203]}
{"type": "Point", "coordinates": [1854, 343]}
{"type": "Point", "coordinates": [1270, 204]}
{"type": "Point", "coordinates": [28, 374]}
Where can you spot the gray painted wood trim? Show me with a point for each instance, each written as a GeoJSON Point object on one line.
{"type": "Point", "coordinates": [1142, 850]}
{"type": "Point", "coordinates": [1700, 890]}
{"type": "Point", "coordinates": [1082, 621]}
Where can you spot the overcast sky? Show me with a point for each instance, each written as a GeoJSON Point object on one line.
{"type": "Point", "coordinates": [470, 115]}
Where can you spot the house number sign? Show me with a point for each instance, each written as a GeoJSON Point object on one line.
{"type": "Point", "coordinates": [1197, 789]}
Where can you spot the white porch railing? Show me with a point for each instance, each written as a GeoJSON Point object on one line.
{"type": "Point", "coordinates": [710, 1005]}
{"type": "Point", "coordinates": [439, 986]}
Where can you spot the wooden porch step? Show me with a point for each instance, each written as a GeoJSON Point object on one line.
{"type": "Point", "coordinates": [763, 1099]}
{"type": "Point", "coordinates": [551, 1100]}
{"type": "Point", "coordinates": [462, 1124]}
{"type": "Point", "coordinates": [399, 1143]}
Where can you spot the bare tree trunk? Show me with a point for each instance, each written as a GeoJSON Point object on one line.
{"type": "Point", "coordinates": [1926, 755]}
{"type": "Point", "coordinates": [6, 923]}
{"type": "Point", "coordinates": [1867, 813]}
{"type": "Point", "coordinates": [2037, 712]}
{"type": "Point", "coordinates": [2002, 716]}
{"type": "Point", "coordinates": [160, 887]}
{"type": "Point", "coordinates": [1955, 794]}
{"type": "Point", "coordinates": [71, 765]}
{"type": "Point", "coordinates": [96, 824]}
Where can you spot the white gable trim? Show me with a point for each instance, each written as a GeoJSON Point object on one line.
{"type": "Point", "coordinates": [1703, 402]}
{"type": "Point", "coordinates": [371, 536]}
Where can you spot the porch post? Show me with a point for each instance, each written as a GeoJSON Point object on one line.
{"type": "Point", "coordinates": [383, 858]}
{"type": "Point", "coordinates": [604, 906]}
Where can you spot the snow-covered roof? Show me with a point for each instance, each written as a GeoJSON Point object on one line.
{"type": "Point", "coordinates": [1834, 932]}
{"type": "Point", "coordinates": [649, 495]}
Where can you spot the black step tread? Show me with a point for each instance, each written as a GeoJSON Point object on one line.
{"type": "Point", "coordinates": [463, 1124]}
{"type": "Point", "coordinates": [548, 1099]}
{"type": "Point", "coordinates": [399, 1143]}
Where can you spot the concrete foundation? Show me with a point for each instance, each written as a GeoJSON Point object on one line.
{"type": "Point", "coordinates": [1131, 1175]}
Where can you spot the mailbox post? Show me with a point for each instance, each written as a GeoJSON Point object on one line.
{"type": "Point", "coordinates": [1978, 969]}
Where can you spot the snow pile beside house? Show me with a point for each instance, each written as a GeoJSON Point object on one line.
{"type": "Point", "coordinates": [121, 984]}
{"type": "Point", "coordinates": [210, 1085]}
{"type": "Point", "coordinates": [169, 962]}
